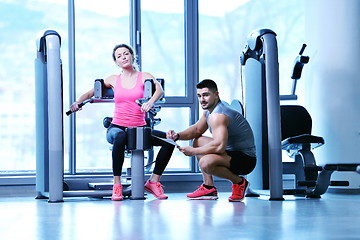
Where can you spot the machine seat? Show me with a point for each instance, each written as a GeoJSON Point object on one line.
{"type": "Point", "coordinates": [297, 142]}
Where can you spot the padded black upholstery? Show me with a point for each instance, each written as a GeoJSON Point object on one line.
{"type": "Point", "coordinates": [295, 121]}
{"type": "Point", "coordinates": [107, 121]}
{"type": "Point", "coordinates": [296, 124]}
{"type": "Point", "coordinates": [292, 143]}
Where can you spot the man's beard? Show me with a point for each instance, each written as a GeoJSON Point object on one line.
{"type": "Point", "coordinates": [206, 106]}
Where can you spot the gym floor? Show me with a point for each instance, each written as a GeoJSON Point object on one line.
{"type": "Point", "coordinates": [334, 216]}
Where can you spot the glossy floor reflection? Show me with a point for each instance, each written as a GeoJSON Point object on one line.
{"type": "Point", "coordinates": [333, 216]}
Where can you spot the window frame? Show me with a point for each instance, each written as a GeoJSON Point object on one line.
{"type": "Point", "coordinates": [191, 68]}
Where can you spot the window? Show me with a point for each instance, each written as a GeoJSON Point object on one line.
{"type": "Point", "coordinates": [20, 24]}
{"type": "Point", "coordinates": [162, 40]}
{"type": "Point", "coordinates": [223, 31]}
{"type": "Point", "coordinates": [163, 55]}
{"type": "Point", "coordinates": [99, 27]}
{"type": "Point", "coordinates": [177, 119]}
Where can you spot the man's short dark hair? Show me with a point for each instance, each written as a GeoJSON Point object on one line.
{"type": "Point", "coordinates": [207, 83]}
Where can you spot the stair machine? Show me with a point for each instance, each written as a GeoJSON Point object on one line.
{"type": "Point", "coordinates": [49, 129]}
{"type": "Point", "coordinates": [281, 127]}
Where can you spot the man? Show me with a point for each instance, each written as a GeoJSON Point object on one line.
{"type": "Point", "coordinates": [230, 151]}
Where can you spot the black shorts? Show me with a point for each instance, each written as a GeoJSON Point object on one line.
{"type": "Point", "coordinates": [241, 163]}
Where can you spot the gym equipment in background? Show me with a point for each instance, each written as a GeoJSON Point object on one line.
{"type": "Point", "coordinates": [268, 118]}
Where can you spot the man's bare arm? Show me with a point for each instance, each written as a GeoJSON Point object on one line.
{"type": "Point", "coordinates": [195, 130]}
{"type": "Point", "coordinates": [218, 123]}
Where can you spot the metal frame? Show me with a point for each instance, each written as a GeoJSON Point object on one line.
{"type": "Point", "coordinates": [49, 117]}
{"type": "Point", "coordinates": [135, 28]}
{"type": "Point", "coordinates": [265, 120]}
{"type": "Point", "coordinates": [72, 85]}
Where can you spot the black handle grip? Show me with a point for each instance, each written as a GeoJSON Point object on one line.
{"type": "Point", "coordinates": [152, 112]}
{"type": "Point", "coordinates": [302, 49]}
{"type": "Point", "coordinates": [80, 105]}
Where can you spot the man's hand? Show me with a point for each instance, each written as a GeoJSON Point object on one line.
{"type": "Point", "coordinates": [188, 151]}
{"type": "Point", "coordinates": [171, 134]}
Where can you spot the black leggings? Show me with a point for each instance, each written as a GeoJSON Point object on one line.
{"type": "Point", "coordinates": [116, 135]}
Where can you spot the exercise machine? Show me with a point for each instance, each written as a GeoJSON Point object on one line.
{"type": "Point", "coordinates": [262, 109]}
{"type": "Point", "coordinates": [103, 94]}
{"type": "Point", "coordinates": [281, 127]}
{"type": "Point", "coordinates": [49, 128]}
{"type": "Point", "coordinates": [49, 121]}
{"type": "Point", "coordinates": [310, 180]}
{"type": "Point", "coordinates": [138, 141]}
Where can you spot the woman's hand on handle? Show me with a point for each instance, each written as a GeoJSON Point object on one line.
{"type": "Point", "coordinates": [145, 107]}
{"type": "Point", "coordinates": [75, 107]}
{"type": "Point", "coordinates": [85, 98]}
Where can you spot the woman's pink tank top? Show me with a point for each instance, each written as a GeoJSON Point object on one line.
{"type": "Point", "coordinates": [127, 112]}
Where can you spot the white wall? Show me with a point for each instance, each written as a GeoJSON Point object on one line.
{"type": "Point", "coordinates": [332, 81]}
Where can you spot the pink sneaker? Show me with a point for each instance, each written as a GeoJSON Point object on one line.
{"type": "Point", "coordinates": [155, 189]}
{"type": "Point", "coordinates": [202, 193]}
{"type": "Point", "coordinates": [238, 191]}
{"type": "Point", "coordinates": [117, 192]}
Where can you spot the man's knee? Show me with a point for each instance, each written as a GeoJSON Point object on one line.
{"type": "Point", "coordinates": [201, 141]}
{"type": "Point", "coordinates": [206, 166]}
{"type": "Point", "coordinates": [196, 143]}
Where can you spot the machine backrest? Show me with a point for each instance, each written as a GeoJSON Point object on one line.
{"type": "Point", "coordinates": [295, 120]}
{"type": "Point", "coordinates": [237, 105]}
{"type": "Point", "coordinates": [101, 92]}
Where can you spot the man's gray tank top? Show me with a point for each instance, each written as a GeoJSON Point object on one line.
{"type": "Point", "coordinates": [240, 135]}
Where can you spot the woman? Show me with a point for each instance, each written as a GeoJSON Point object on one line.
{"type": "Point", "coordinates": [129, 86]}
